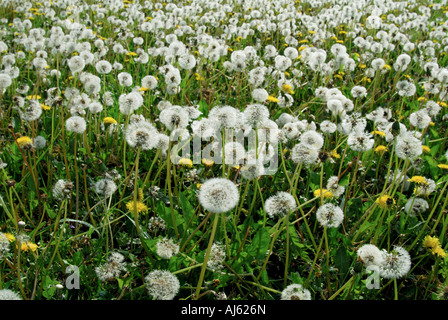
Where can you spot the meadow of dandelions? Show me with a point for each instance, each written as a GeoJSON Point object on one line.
{"type": "Point", "coordinates": [348, 100]}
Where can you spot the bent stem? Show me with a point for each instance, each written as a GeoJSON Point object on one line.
{"type": "Point", "coordinates": [207, 254]}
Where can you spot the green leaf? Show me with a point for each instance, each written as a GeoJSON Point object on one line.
{"type": "Point", "coordinates": [187, 208]}
{"type": "Point", "coordinates": [203, 107]}
{"type": "Point", "coordinates": [165, 214]}
{"type": "Point", "coordinates": [432, 167]}
{"type": "Point", "coordinates": [342, 260]}
{"type": "Point", "coordinates": [259, 245]}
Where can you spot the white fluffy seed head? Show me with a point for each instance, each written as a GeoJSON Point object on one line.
{"type": "Point", "coordinates": [295, 292]}
{"type": "Point", "coordinates": [218, 195]}
{"type": "Point", "coordinates": [329, 215]}
{"type": "Point", "coordinates": [280, 204]}
{"type": "Point", "coordinates": [162, 285]}
{"type": "Point", "coordinates": [76, 124]}
{"type": "Point", "coordinates": [395, 264]}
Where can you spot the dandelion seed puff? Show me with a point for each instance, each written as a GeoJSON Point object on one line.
{"type": "Point", "coordinates": [260, 95]}
{"type": "Point", "coordinates": [162, 285]}
{"type": "Point", "coordinates": [32, 111]}
{"type": "Point", "coordinates": [407, 146]}
{"type": "Point", "coordinates": [425, 189]}
{"type": "Point", "coordinates": [7, 294]}
{"type": "Point", "coordinates": [125, 79]}
{"type": "Point", "coordinates": [361, 141]}
{"type": "Point", "coordinates": [328, 127]}
{"type": "Point", "coordinates": [166, 248]}
{"type": "Point", "coordinates": [62, 189]}
{"type": "Point", "coordinates": [218, 195]}
{"type": "Point", "coordinates": [217, 256]}
{"type": "Point", "coordinates": [312, 139]}
{"type": "Point", "coordinates": [304, 154]}
{"type": "Point", "coordinates": [156, 224]}
{"type": "Point", "coordinates": [174, 117]}
{"type": "Point", "coordinates": [334, 187]}
{"type": "Point", "coordinates": [420, 119]}
{"type": "Point", "coordinates": [432, 108]}
{"type": "Point", "coordinates": [149, 82]}
{"type": "Point", "coordinates": [416, 206]}
{"type": "Point", "coordinates": [252, 169]}
{"type": "Point", "coordinates": [105, 187]}
{"type": "Point", "coordinates": [224, 116]}
{"type": "Point", "coordinates": [4, 245]}
{"type": "Point", "coordinates": [76, 64]}
{"type": "Point", "coordinates": [255, 114]}
{"type": "Point", "coordinates": [76, 124]}
{"type": "Point", "coordinates": [396, 264]}
{"type": "Point", "coordinates": [141, 135]}
{"type": "Point", "coordinates": [103, 67]}
{"type": "Point", "coordinates": [187, 61]}
{"type": "Point", "coordinates": [329, 215]}
{"type": "Point", "coordinates": [358, 92]}
{"type": "Point", "coordinates": [5, 81]}
{"type": "Point", "coordinates": [39, 142]}
{"type": "Point", "coordinates": [295, 292]}
{"type": "Point", "coordinates": [130, 102]}
{"type": "Point", "coordinates": [95, 107]}
{"type": "Point", "coordinates": [369, 254]}
{"type": "Point", "coordinates": [280, 204]}
{"type": "Point", "coordinates": [112, 268]}
{"type": "Point", "coordinates": [234, 153]}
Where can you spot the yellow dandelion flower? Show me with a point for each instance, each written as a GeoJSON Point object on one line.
{"type": "Point", "coordinates": [379, 133]}
{"type": "Point", "coordinates": [303, 41]}
{"type": "Point", "coordinates": [426, 149]}
{"type": "Point", "coordinates": [109, 120]}
{"type": "Point", "coordinates": [418, 180]}
{"type": "Point", "coordinates": [362, 66]}
{"type": "Point", "coordinates": [442, 104]}
{"type": "Point", "coordinates": [443, 166]}
{"type": "Point", "coordinates": [339, 41]}
{"type": "Point", "coordinates": [28, 246]}
{"type": "Point", "coordinates": [133, 205]}
{"type": "Point", "coordinates": [385, 202]}
{"type": "Point", "coordinates": [10, 237]}
{"type": "Point", "coordinates": [431, 242]}
{"type": "Point", "coordinates": [207, 162]}
{"type": "Point", "coordinates": [272, 99]}
{"type": "Point", "coordinates": [45, 107]}
{"type": "Point", "coordinates": [335, 154]}
{"type": "Point", "coordinates": [287, 88]}
{"type": "Point", "coordinates": [198, 185]}
{"type": "Point", "coordinates": [143, 89]}
{"type": "Point", "coordinates": [386, 66]}
{"type": "Point", "coordinates": [185, 162]}
{"type": "Point", "coordinates": [381, 149]}
{"type": "Point", "coordinates": [324, 193]}
{"type": "Point", "coordinates": [132, 54]}
{"type": "Point", "coordinates": [199, 77]}
{"type": "Point", "coordinates": [24, 141]}
{"type": "Point", "coordinates": [438, 251]}
{"type": "Point", "coordinates": [33, 97]}
{"type": "Point", "coordinates": [302, 48]}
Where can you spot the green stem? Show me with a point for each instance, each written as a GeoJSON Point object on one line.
{"type": "Point", "coordinates": [207, 254]}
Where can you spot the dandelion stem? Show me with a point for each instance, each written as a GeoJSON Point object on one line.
{"type": "Point", "coordinates": [207, 255]}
